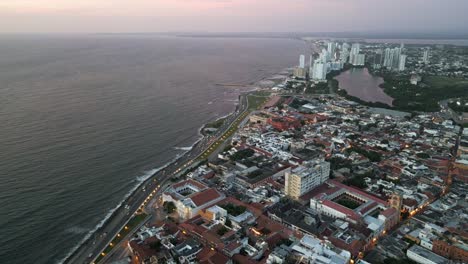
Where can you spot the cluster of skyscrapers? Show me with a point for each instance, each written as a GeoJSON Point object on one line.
{"type": "Point", "coordinates": [330, 59]}
{"type": "Point", "coordinates": [334, 56]}
{"type": "Point", "coordinates": [393, 59]}
{"type": "Point", "coordinates": [355, 57]}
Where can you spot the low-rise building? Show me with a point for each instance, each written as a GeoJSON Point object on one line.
{"type": "Point", "coordinates": [319, 251]}
{"type": "Point", "coordinates": [424, 256]}
{"type": "Point", "coordinates": [453, 250]}
{"type": "Point", "coordinates": [191, 196]}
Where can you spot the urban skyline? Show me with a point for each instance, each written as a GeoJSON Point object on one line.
{"type": "Point", "coordinates": [227, 132]}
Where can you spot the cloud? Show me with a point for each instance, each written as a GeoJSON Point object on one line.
{"type": "Point", "coordinates": [231, 15]}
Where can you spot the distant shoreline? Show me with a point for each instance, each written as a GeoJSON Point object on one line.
{"type": "Point", "coordinates": [407, 38]}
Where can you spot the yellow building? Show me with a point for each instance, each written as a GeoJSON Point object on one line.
{"type": "Point", "coordinates": [304, 178]}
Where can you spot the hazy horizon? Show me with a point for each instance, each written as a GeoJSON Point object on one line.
{"type": "Point", "coordinates": [234, 16]}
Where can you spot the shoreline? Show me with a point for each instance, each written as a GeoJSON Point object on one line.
{"type": "Point", "coordinates": [144, 179]}
{"type": "Point", "coordinates": [141, 180]}
{"type": "Point", "coordinates": [226, 116]}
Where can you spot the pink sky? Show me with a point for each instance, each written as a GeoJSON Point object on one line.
{"type": "Point", "coordinates": [229, 15]}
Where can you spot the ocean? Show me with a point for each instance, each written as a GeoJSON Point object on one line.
{"type": "Point", "coordinates": [84, 118]}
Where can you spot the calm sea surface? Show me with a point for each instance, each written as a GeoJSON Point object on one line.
{"type": "Point", "coordinates": [83, 118]}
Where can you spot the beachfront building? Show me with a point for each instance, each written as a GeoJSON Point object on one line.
{"type": "Point", "coordinates": [300, 71]}
{"type": "Point", "coordinates": [302, 61]}
{"type": "Point", "coordinates": [190, 197]}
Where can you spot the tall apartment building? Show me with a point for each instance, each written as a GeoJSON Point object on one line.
{"type": "Point", "coordinates": [302, 61]}
{"type": "Point", "coordinates": [358, 60]}
{"type": "Point", "coordinates": [306, 177]}
{"type": "Point", "coordinates": [355, 49]}
{"type": "Point", "coordinates": [396, 58]}
{"type": "Point", "coordinates": [319, 70]}
{"type": "Point", "coordinates": [378, 58]}
{"type": "Point", "coordinates": [388, 58]}
{"type": "Point", "coordinates": [331, 47]}
{"type": "Point", "coordinates": [393, 59]}
{"type": "Point", "coordinates": [426, 56]}
{"type": "Point", "coordinates": [402, 63]}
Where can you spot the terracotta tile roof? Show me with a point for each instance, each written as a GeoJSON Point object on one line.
{"type": "Point", "coordinates": [255, 211]}
{"type": "Point", "coordinates": [275, 184]}
{"type": "Point", "coordinates": [322, 188]}
{"type": "Point", "coordinates": [204, 254]}
{"type": "Point", "coordinates": [274, 240]}
{"type": "Point", "coordinates": [197, 184]}
{"type": "Point", "coordinates": [368, 208]}
{"type": "Point", "coordinates": [319, 117]}
{"type": "Point", "coordinates": [219, 258]}
{"type": "Point", "coordinates": [233, 245]}
{"type": "Point", "coordinates": [200, 230]}
{"type": "Point", "coordinates": [265, 222]}
{"type": "Point", "coordinates": [261, 151]}
{"type": "Point", "coordinates": [388, 212]}
{"type": "Point", "coordinates": [350, 213]}
{"type": "Point", "coordinates": [354, 247]}
{"type": "Point", "coordinates": [205, 197]}
{"type": "Point", "coordinates": [209, 175]}
{"type": "Point", "coordinates": [355, 190]}
{"type": "Point", "coordinates": [228, 234]}
{"type": "Point", "coordinates": [238, 258]}
{"type": "Point", "coordinates": [142, 250]}
{"type": "Point", "coordinates": [209, 256]}
{"type": "Point", "coordinates": [259, 206]}
{"type": "Point", "coordinates": [410, 202]}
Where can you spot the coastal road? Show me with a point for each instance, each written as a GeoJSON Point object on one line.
{"type": "Point", "coordinates": [100, 239]}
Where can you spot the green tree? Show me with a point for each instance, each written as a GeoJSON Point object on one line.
{"type": "Point", "coordinates": [169, 207]}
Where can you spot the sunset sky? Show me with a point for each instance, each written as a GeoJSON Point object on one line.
{"type": "Point", "coordinates": [233, 15]}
